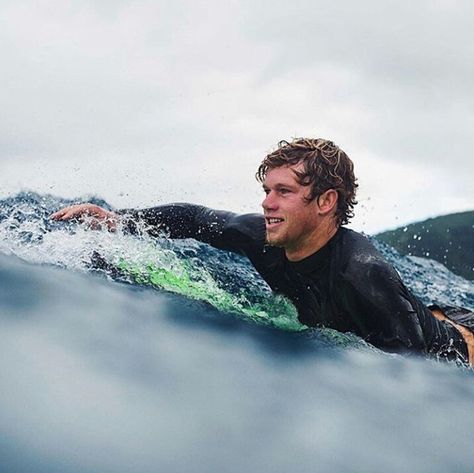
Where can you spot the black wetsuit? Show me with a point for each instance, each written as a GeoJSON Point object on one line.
{"type": "Point", "coordinates": [347, 285]}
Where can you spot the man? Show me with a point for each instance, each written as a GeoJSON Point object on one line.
{"type": "Point", "coordinates": [334, 276]}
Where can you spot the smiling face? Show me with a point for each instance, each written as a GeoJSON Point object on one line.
{"type": "Point", "coordinates": [291, 221]}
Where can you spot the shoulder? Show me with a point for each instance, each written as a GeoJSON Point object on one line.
{"type": "Point", "coordinates": [353, 241]}
{"type": "Point", "coordinates": [361, 260]}
{"type": "Point", "coordinates": [242, 233]}
{"type": "Point", "coordinates": [371, 278]}
{"type": "Point", "coordinates": [246, 223]}
{"type": "Point", "coordinates": [250, 227]}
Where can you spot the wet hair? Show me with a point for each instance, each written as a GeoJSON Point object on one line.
{"type": "Point", "coordinates": [325, 166]}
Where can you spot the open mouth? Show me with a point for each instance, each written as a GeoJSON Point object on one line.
{"type": "Point", "coordinates": [270, 221]}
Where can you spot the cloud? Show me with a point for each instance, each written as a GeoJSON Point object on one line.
{"type": "Point", "coordinates": [146, 100]}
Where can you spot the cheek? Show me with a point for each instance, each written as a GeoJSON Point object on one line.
{"type": "Point", "coordinates": [308, 217]}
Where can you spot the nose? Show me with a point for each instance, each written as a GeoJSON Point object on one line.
{"type": "Point", "coordinates": [269, 203]}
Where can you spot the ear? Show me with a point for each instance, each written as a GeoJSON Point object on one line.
{"type": "Point", "coordinates": [327, 201]}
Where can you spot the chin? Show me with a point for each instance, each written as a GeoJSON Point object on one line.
{"type": "Point", "coordinates": [273, 241]}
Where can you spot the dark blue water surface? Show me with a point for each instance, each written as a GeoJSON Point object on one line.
{"type": "Point", "coordinates": [211, 374]}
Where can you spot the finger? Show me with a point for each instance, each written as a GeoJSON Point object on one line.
{"type": "Point", "coordinates": [61, 212]}
{"type": "Point", "coordinates": [70, 214]}
{"type": "Point", "coordinates": [57, 215]}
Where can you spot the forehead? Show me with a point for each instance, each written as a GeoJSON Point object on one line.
{"type": "Point", "coordinates": [282, 175]}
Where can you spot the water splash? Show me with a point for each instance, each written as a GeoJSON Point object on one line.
{"type": "Point", "coordinates": [187, 267]}
{"type": "Point", "coordinates": [226, 281]}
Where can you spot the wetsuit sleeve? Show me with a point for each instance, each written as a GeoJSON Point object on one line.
{"type": "Point", "coordinates": [219, 228]}
{"type": "Point", "coordinates": [382, 307]}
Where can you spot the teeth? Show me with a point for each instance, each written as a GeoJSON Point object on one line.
{"type": "Point", "coordinates": [274, 220]}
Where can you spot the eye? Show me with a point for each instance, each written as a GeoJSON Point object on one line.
{"type": "Point", "coordinates": [267, 191]}
{"type": "Point", "coordinates": [284, 191]}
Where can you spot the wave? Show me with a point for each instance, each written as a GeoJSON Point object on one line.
{"type": "Point", "coordinates": [186, 362]}
{"type": "Point", "coordinates": [225, 280]}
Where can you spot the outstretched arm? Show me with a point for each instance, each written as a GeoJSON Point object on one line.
{"type": "Point", "coordinates": [219, 228]}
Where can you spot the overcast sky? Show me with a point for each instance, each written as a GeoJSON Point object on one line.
{"type": "Point", "coordinates": [146, 102]}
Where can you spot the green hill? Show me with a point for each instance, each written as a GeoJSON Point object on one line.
{"type": "Point", "coordinates": [448, 239]}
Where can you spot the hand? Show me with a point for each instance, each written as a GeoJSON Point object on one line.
{"type": "Point", "coordinates": [95, 216]}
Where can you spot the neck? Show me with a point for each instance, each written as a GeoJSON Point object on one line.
{"type": "Point", "coordinates": [313, 243]}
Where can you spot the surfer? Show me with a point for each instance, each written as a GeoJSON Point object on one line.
{"type": "Point", "coordinates": [334, 276]}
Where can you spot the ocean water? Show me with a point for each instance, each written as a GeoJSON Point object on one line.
{"type": "Point", "coordinates": [183, 361]}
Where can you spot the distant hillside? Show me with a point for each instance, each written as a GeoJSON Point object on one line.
{"type": "Point", "coordinates": [448, 239]}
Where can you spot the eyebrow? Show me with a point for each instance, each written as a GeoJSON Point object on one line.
{"type": "Point", "coordinates": [279, 185]}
